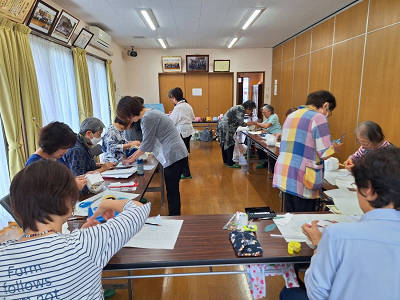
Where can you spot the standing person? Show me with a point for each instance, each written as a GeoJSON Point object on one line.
{"type": "Point", "coordinates": [305, 143]}
{"type": "Point", "coordinates": [161, 137]}
{"type": "Point", "coordinates": [182, 115]}
{"type": "Point", "coordinates": [79, 158]}
{"type": "Point", "coordinates": [370, 137]}
{"type": "Point", "coordinates": [226, 129]}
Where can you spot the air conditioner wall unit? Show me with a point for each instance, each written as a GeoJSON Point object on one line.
{"type": "Point", "coordinates": [101, 39]}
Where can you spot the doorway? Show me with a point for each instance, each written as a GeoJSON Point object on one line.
{"type": "Point", "coordinates": [250, 86]}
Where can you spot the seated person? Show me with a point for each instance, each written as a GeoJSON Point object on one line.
{"type": "Point", "coordinates": [271, 126]}
{"type": "Point", "coordinates": [56, 265]}
{"type": "Point", "coordinates": [115, 146]}
{"type": "Point", "coordinates": [54, 141]}
{"type": "Point", "coordinates": [370, 136]}
{"type": "Point", "coordinates": [79, 158]}
{"type": "Point", "coordinates": [360, 260]}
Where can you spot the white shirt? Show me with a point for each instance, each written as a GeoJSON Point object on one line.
{"type": "Point", "coordinates": [183, 116]}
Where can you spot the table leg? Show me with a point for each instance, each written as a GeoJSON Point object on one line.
{"type": "Point", "coordinates": [130, 286]}
{"type": "Point", "coordinates": [248, 154]}
{"type": "Point", "coordinates": [162, 184]}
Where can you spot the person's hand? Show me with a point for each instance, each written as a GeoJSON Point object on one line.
{"type": "Point", "coordinates": [90, 222]}
{"type": "Point", "coordinates": [128, 161]}
{"type": "Point", "coordinates": [107, 166]}
{"type": "Point", "coordinates": [348, 164]}
{"type": "Point", "coordinates": [134, 144]}
{"type": "Point", "coordinates": [80, 182]}
{"type": "Point", "coordinates": [278, 137]}
{"type": "Point", "coordinates": [337, 147]}
{"type": "Point", "coordinates": [251, 123]}
{"type": "Point", "coordinates": [312, 232]}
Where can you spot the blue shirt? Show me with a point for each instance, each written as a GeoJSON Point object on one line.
{"type": "Point", "coordinates": [275, 126]}
{"type": "Point", "coordinates": [358, 260]}
{"type": "Point", "coordinates": [79, 158]}
{"type": "Point", "coordinates": [35, 157]}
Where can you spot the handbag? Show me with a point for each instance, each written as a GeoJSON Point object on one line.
{"type": "Point", "coordinates": [245, 243]}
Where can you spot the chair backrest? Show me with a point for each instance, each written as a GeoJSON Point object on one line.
{"type": "Point", "coordinates": [6, 203]}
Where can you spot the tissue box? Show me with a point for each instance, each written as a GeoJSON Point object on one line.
{"type": "Point", "coordinates": [95, 182]}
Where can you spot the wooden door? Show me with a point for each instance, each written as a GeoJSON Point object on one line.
{"type": "Point", "coordinates": [199, 103]}
{"type": "Point", "coordinates": [167, 82]}
{"type": "Point", "coordinates": [220, 93]}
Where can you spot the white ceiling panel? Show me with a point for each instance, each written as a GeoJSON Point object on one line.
{"type": "Point", "coordinates": [202, 23]}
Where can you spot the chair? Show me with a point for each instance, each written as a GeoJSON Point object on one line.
{"type": "Point", "coordinates": [5, 202]}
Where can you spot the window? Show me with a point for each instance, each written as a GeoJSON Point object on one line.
{"type": "Point", "coordinates": [56, 79]}
{"type": "Point", "coordinates": [5, 179]}
{"type": "Point", "coordinates": [99, 89]}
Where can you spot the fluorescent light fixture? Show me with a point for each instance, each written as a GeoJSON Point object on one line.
{"type": "Point", "coordinates": [149, 18]}
{"type": "Point", "coordinates": [252, 18]}
{"type": "Point", "coordinates": [162, 43]}
{"type": "Point", "coordinates": [234, 40]}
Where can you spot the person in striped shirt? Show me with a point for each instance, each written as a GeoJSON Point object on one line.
{"type": "Point", "coordinates": [46, 264]}
{"type": "Point", "coordinates": [305, 143]}
{"type": "Point", "coordinates": [370, 136]}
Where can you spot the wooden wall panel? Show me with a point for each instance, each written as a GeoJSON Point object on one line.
{"type": "Point", "coordinates": [167, 82]}
{"type": "Point", "coordinates": [381, 88]}
{"type": "Point", "coordinates": [382, 13]}
{"type": "Point", "coordinates": [286, 89]}
{"type": "Point", "coordinates": [351, 22]}
{"type": "Point", "coordinates": [345, 85]}
{"type": "Point", "coordinates": [303, 43]}
{"type": "Point", "coordinates": [276, 75]}
{"type": "Point", "coordinates": [288, 50]}
{"type": "Point", "coordinates": [277, 54]}
{"type": "Point", "coordinates": [220, 93]}
{"type": "Point", "coordinates": [300, 84]}
{"type": "Point", "coordinates": [320, 70]}
{"type": "Point", "coordinates": [322, 34]}
{"type": "Point", "coordinates": [199, 103]}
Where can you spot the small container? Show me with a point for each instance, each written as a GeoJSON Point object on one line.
{"type": "Point", "coordinates": [139, 166]}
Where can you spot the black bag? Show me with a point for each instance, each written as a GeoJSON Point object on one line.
{"type": "Point", "coordinates": [245, 243]}
{"type": "Point", "coordinates": [206, 135]}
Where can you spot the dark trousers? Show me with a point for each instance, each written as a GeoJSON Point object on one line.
{"type": "Point", "coordinates": [297, 204]}
{"type": "Point", "coordinates": [172, 176]}
{"type": "Point", "coordinates": [227, 155]}
{"type": "Point", "coordinates": [293, 294]}
{"type": "Point", "coordinates": [186, 169]}
{"type": "Point", "coordinates": [267, 160]}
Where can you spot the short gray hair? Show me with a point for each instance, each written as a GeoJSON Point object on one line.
{"type": "Point", "coordinates": [91, 124]}
{"type": "Point", "coordinates": [269, 108]}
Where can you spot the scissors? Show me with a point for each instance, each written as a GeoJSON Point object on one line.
{"type": "Point", "coordinates": [91, 211]}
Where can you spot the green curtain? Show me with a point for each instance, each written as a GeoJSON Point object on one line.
{"type": "Point", "coordinates": [85, 105]}
{"type": "Point", "coordinates": [111, 89]}
{"type": "Point", "coordinates": [10, 95]}
{"type": "Point", "coordinates": [29, 88]}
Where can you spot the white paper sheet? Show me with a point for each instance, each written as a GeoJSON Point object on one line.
{"type": "Point", "coordinates": [119, 173]}
{"type": "Point", "coordinates": [346, 201]}
{"type": "Point", "coordinates": [96, 199]}
{"type": "Point", "coordinates": [157, 237]}
{"type": "Point", "coordinates": [341, 177]}
{"type": "Point", "coordinates": [148, 167]}
{"type": "Point", "coordinates": [293, 232]}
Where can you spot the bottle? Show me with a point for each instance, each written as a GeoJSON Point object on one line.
{"type": "Point", "coordinates": [139, 166]}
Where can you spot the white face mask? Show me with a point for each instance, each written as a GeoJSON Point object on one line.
{"type": "Point", "coordinates": [95, 140]}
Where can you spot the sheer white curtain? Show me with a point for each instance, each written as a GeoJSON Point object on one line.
{"type": "Point", "coordinates": [55, 73]}
{"type": "Point", "coordinates": [4, 179]}
{"type": "Point", "coordinates": [99, 89]}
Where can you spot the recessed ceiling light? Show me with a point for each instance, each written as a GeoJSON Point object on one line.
{"type": "Point", "coordinates": [162, 43]}
{"type": "Point", "coordinates": [149, 18]}
{"type": "Point", "coordinates": [252, 18]}
{"type": "Point", "coordinates": [233, 41]}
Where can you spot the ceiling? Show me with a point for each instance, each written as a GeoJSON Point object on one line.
{"type": "Point", "coordinates": [202, 23]}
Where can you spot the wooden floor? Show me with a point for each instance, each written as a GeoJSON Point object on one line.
{"type": "Point", "coordinates": [214, 189]}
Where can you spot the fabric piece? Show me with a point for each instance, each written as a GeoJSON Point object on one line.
{"type": "Point", "coordinates": [82, 80]}
{"type": "Point", "coordinates": [245, 243]}
{"type": "Point", "coordinates": [10, 95]}
{"type": "Point", "coordinates": [227, 126]}
{"type": "Point", "coordinates": [359, 259]}
{"type": "Point", "coordinates": [182, 116]}
{"type": "Point", "coordinates": [256, 277]}
{"type": "Point", "coordinates": [62, 265]}
{"type": "Point", "coordinates": [113, 144]}
{"type": "Point", "coordinates": [275, 125]}
{"type": "Point", "coordinates": [111, 89]}
{"type": "Point", "coordinates": [305, 142]}
{"type": "Point", "coordinates": [240, 148]}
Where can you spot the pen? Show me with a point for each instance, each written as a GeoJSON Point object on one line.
{"type": "Point", "coordinates": [152, 224]}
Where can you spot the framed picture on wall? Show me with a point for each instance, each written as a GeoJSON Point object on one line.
{"type": "Point", "coordinates": [65, 27]}
{"type": "Point", "coordinates": [16, 11]}
{"type": "Point", "coordinates": [83, 39]}
{"type": "Point", "coordinates": [197, 63]}
{"type": "Point", "coordinates": [171, 63]}
{"type": "Point", "coordinates": [42, 18]}
{"type": "Point", "coordinates": [222, 65]}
